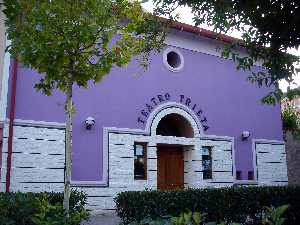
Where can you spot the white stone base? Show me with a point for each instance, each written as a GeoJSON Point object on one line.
{"type": "Point", "coordinates": [271, 165]}
{"type": "Point", "coordinates": [37, 160]}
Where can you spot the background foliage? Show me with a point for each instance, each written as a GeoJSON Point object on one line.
{"type": "Point", "coordinates": [290, 120]}
{"type": "Point", "coordinates": [290, 112]}
{"type": "Point", "coordinates": [222, 204]}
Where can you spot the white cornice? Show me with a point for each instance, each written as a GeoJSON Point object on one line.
{"type": "Point", "coordinates": [33, 123]}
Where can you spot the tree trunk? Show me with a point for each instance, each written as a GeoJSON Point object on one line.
{"type": "Point", "coordinates": [68, 166]}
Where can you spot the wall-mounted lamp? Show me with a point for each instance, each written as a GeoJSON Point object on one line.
{"type": "Point", "coordinates": [245, 135]}
{"type": "Point", "coordinates": [89, 122]}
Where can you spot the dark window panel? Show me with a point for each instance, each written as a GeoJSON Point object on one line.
{"type": "Point", "coordinates": [206, 163]}
{"type": "Point", "coordinates": [239, 175]}
{"type": "Point", "coordinates": [250, 175]}
{"type": "Point", "coordinates": [140, 161]}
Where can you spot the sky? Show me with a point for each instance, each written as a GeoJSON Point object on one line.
{"type": "Point", "coordinates": [187, 17]}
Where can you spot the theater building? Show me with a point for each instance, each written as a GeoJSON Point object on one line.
{"type": "Point", "coordinates": [191, 120]}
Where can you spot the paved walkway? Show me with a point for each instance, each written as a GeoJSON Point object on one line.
{"type": "Point", "coordinates": [102, 220]}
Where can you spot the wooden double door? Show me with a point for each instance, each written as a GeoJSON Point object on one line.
{"type": "Point", "coordinates": [170, 167]}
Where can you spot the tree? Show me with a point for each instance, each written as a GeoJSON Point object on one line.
{"type": "Point", "coordinates": [74, 41]}
{"type": "Point", "coordinates": [268, 28]}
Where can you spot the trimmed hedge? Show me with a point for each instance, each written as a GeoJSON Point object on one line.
{"type": "Point", "coordinates": [20, 208]}
{"type": "Point", "coordinates": [236, 204]}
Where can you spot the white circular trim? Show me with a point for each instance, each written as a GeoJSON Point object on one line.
{"type": "Point", "coordinates": [165, 59]}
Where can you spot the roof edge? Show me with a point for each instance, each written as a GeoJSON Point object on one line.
{"type": "Point", "coordinates": [202, 32]}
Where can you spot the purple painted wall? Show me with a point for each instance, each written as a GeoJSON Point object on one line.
{"type": "Point", "coordinates": [230, 103]}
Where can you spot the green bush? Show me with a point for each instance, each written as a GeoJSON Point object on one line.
{"type": "Point", "coordinates": [272, 216]}
{"type": "Point", "coordinates": [37, 208]}
{"type": "Point", "coordinates": [236, 204]}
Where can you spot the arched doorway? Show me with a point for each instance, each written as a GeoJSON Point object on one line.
{"type": "Point", "coordinates": [170, 158]}
{"type": "Point", "coordinates": [174, 125]}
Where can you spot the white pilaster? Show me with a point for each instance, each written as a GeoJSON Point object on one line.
{"type": "Point", "coordinates": [4, 89]}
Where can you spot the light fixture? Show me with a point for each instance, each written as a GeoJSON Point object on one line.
{"type": "Point", "coordinates": [245, 135]}
{"type": "Point", "coordinates": [89, 122]}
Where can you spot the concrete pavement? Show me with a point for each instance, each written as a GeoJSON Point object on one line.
{"type": "Point", "coordinates": [102, 220]}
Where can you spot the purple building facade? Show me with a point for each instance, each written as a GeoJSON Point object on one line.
{"type": "Point", "coordinates": [190, 120]}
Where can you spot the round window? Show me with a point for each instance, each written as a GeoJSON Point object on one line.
{"type": "Point", "coordinates": [173, 59]}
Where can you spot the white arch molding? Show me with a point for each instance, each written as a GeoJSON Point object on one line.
{"type": "Point", "coordinates": [173, 108]}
